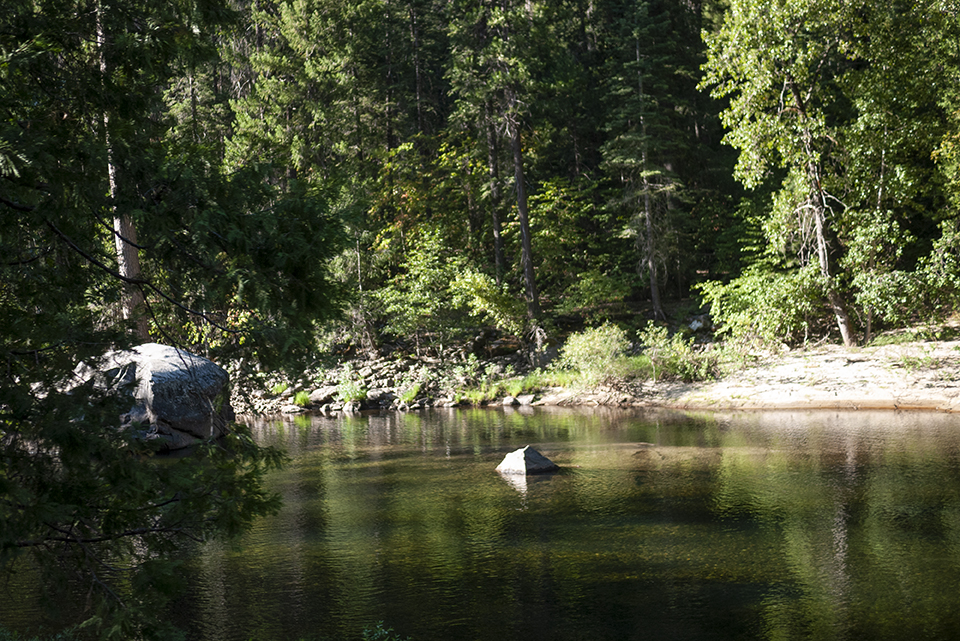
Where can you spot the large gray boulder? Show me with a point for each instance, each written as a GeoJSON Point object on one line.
{"type": "Point", "coordinates": [526, 461]}
{"type": "Point", "coordinates": [179, 397]}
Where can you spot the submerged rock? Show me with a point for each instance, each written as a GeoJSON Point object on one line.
{"type": "Point", "coordinates": [526, 461]}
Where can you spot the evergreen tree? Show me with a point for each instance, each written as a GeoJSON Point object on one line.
{"type": "Point", "coordinates": [85, 137]}
{"type": "Point", "coordinates": [490, 73]}
{"type": "Point", "coordinates": [658, 150]}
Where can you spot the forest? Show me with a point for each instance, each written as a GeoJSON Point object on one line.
{"type": "Point", "coordinates": [260, 180]}
{"type": "Point", "coordinates": [385, 171]}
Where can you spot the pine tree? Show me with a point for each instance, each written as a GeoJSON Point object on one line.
{"type": "Point", "coordinates": [648, 84]}
{"type": "Point", "coordinates": [492, 47]}
{"type": "Point", "coordinates": [85, 137]}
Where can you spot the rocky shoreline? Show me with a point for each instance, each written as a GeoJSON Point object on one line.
{"type": "Point", "coordinates": [918, 375]}
{"type": "Point", "coordinates": [388, 383]}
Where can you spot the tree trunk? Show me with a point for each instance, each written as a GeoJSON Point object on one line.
{"type": "Point", "coordinates": [837, 304]}
{"type": "Point", "coordinates": [415, 38]}
{"type": "Point", "coordinates": [650, 254]}
{"type": "Point", "coordinates": [526, 244]}
{"type": "Point", "coordinates": [649, 244]}
{"type": "Point", "coordinates": [128, 259]}
{"type": "Point", "coordinates": [819, 205]}
{"type": "Point", "coordinates": [124, 232]}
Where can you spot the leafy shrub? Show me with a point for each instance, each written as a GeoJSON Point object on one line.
{"type": "Point", "coordinates": [596, 353]}
{"type": "Point", "coordinates": [350, 388]}
{"type": "Point", "coordinates": [675, 357]}
{"type": "Point", "coordinates": [475, 384]}
{"type": "Point", "coordinates": [418, 300]}
{"type": "Point", "coordinates": [380, 633]}
{"type": "Point", "coordinates": [481, 295]}
{"type": "Point", "coordinates": [766, 306]}
{"type": "Point", "coordinates": [410, 394]}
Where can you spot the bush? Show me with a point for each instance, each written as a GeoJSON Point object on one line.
{"type": "Point", "coordinates": [380, 633]}
{"type": "Point", "coordinates": [675, 356]}
{"type": "Point", "coordinates": [410, 394]}
{"type": "Point", "coordinates": [596, 353]}
{"type": "Point", "coordinates": [349, 387]}
{"type": "Point", "coordinates": [766, 306]}
{"type": "Point", "coordinates": [486, 300]}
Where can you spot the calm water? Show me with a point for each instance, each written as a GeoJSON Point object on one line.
{"type": "Point", "coordinates": [660, 526]}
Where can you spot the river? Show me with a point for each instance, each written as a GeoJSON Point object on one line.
{"type": "Point", "coordinates": [660, 525]}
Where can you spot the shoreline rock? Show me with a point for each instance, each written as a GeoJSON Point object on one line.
{"type": "Point", "coordinates": [176, 396]}
{"type": "Point", "coordinates": [919, 375]}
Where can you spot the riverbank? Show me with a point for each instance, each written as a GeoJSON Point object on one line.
{"type": "Point", "coordinates": [919, 375]}
{"type": "Point", "coordinates": [899, 375]}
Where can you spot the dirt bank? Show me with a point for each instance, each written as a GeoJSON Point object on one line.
{"type": "Point", "coordinates": [918, 375]}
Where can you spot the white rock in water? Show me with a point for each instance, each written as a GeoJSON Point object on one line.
{"type": "Point", "coordinates": [526, 461]}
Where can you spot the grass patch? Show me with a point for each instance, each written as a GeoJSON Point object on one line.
{"type": "Point", "coordinates": [350, 387]}
{"type": "Point", "coordinates": [410, 394]}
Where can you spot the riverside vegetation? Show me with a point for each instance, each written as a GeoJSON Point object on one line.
{"type": "Point", "coordinates": [261, 182]}
{"type": "Point", "coordinates": [605, 357]}
{"type": "Point", "coordinates": [914, 367]}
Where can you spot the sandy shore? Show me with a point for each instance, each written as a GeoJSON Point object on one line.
{"type": "Point", "coordinates": [919, 375]}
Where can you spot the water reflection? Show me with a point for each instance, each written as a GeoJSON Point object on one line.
{"type": "Point", "coordinates": [660, 525]}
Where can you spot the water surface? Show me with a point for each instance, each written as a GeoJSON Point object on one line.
{"type": "Point", "coordinates": [661, 525]}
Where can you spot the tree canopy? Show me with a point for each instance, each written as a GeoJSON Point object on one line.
{"type": "Point", "coordinates": [109, 154]}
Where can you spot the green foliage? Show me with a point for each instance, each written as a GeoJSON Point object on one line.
{"type": "Point", "coordinates": [597, 353]}
{"type": "Point", "coordinates": [675, 357]}
{"type": "Point", "coordinates": [95, 126]}
{"type": "Point", "coordinates": [350, 386]}
{"type": "Point", "coordinates": [419, 301]}
{"type": "Point", "coordinates": [542, 378]}
{"type": "Point", "coordinates": [410, 393]}
{"type": "Point", "coordinates": [478, 385]}
{"type": "Point", "coordinates": [301, 398]}
{"type": "Point", "coordinates": [595, 294]}
{"type": "Point", "coordinates": [764, 306]}
{"type": "Point", "coordinates": [940, 271]}
{"type": "Point", "coordinates": [844, 138]}
{"type": "Point", "coordinates": [87, 501]}
{"type": "Point", "coordinates": [481, 295]}
{"type": "Point", "coordinates": [380, 633]}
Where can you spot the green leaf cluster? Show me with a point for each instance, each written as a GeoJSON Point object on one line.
{"type": "Point", "coordinates": [840, 111]}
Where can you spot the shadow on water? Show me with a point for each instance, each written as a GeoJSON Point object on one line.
{"type": "Point", "coordinates": [660, 525]}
